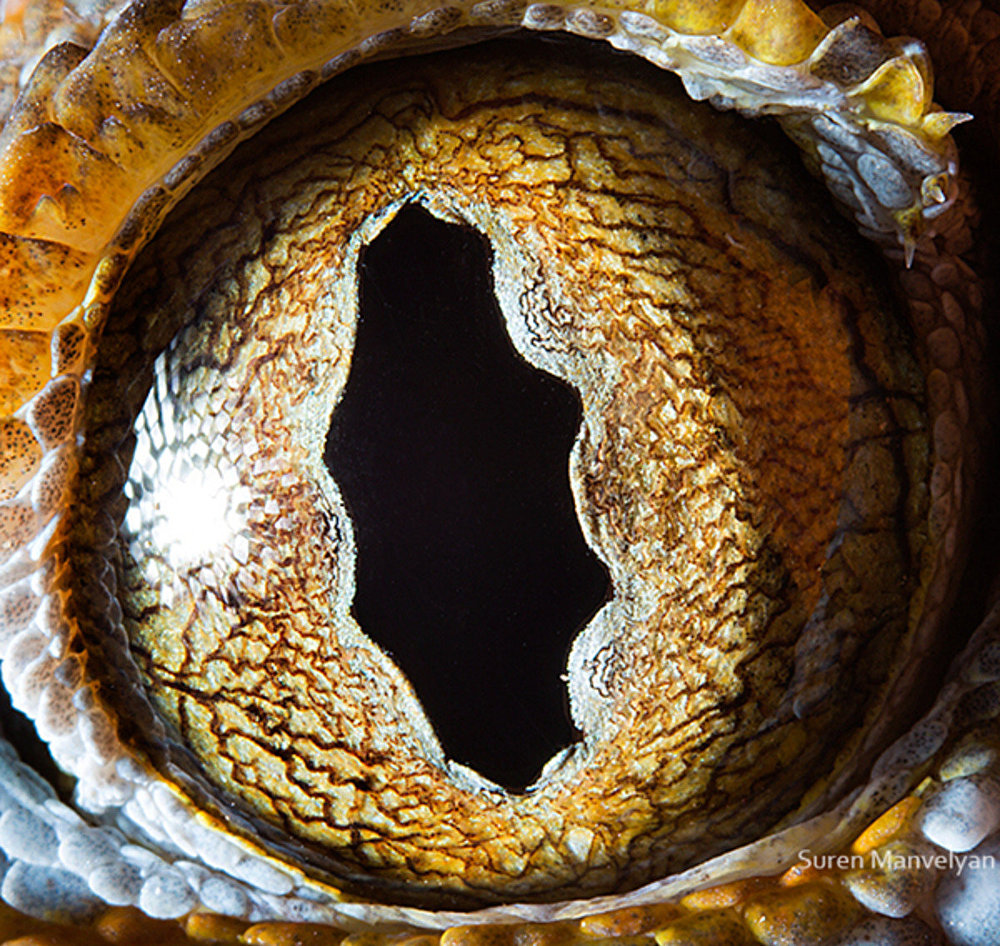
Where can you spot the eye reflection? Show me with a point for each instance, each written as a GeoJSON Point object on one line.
{"type": "Point", "coordinates": [807, 695]}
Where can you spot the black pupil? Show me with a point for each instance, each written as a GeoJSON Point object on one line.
{"type": "Point", "coordinates": [452, 455]}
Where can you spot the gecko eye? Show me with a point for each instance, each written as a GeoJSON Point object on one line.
{"type": "Point", "coordinates": [740, 514]}
{"type": "Point", "coordinates": [246, 561]}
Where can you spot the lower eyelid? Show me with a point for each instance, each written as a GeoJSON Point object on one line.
{"type": "Point", "coordinates": [38, 422]}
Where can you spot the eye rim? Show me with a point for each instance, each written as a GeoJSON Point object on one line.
{"type": "Point", "coordinates": [133, 233]}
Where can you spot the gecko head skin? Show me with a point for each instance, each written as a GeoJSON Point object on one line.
{"type": "Point", "coordinates": [782, 454]}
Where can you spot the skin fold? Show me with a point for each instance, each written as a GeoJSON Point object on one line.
{"type": "Point", "coordinates": [843, 750]}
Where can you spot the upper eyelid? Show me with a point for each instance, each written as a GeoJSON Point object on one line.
{"type": "Point", "coordinates": [87, 141]}
{"type": "Point", "coordinates": [82, 248]}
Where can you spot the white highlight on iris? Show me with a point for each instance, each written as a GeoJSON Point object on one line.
{"type": "Point", "coordinates": [187, 506]}
{"type": "Point", "coordinates": [189, 517]}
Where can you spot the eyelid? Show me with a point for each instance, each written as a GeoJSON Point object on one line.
{"type": "Point", "coordinates": [69, 245]}
{"type": "Point", "coordinates": [94, 155]}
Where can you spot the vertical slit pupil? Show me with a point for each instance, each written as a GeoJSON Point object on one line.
{"type": "Point", "coordinates": [452, 455]}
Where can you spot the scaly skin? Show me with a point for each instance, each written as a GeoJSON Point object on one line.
{"type": "Point", "coordinates": [67, 249]}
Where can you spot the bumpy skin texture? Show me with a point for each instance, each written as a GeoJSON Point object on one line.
{"type": "Point", "coordinates": [46, 279]}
